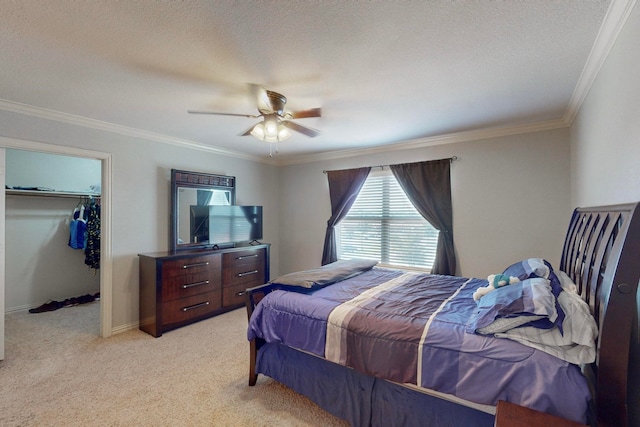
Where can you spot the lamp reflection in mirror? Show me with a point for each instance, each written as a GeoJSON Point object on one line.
{"type": "Point", "coordinates": [271, 130]}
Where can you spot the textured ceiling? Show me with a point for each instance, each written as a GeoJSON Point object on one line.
{"type": "Point", "coordinates": [384, 72]}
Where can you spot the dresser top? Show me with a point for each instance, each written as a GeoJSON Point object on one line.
{"type": "Point", "coordinates": [205, 251]}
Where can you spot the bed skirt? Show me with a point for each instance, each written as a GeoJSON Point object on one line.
{"type": "Point", "coordinates": [360, 399]}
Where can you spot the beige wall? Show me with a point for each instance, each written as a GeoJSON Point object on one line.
{"type": "Point", "coordinates": [140, 190]}
{"type": "Point", "coordinates": [39, 265]}
{"type": "Point", "coordinates": [605, 137]}
{"type": "Point", "coordinates": [510, 200]}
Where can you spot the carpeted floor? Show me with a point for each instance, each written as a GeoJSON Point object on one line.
{"type": "Point", "coordinates": [58, 372]}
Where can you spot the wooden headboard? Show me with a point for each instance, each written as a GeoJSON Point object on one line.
{"type": "Point", "coordinates": [602, 255]}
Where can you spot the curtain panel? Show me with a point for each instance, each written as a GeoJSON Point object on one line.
{"type": "Point", "coordinates": [344, 186]}
{"type": "Point", "coordinates": [428, 187]}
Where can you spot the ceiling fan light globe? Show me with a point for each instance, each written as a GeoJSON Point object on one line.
{"type": "Point", "coordinates": [258, 131]}
{"type": "Point", "coordinates": [271, 128]}
{"type": "Point", "coordinates": [283, 132]}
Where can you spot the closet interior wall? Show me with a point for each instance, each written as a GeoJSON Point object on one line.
{"type": "Point", "coordinates": [40, 264]}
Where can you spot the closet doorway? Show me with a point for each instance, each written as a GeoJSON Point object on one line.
{"type": "Point", "coordinates": [105, 270]}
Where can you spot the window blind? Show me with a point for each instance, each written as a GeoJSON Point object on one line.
{"type": "Point", "coordinates": [383, 224]}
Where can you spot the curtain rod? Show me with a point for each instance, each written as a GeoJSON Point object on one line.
{"type": "Point", "coordinates": [451, 159]}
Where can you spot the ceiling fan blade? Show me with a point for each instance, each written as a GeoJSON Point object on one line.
{"type": "Point", "coordinates": [248, 131]}
{"type": "Point", "coordinates": [304, 114]}
{"type": "Point", "coordinates": [302, 129]}
{"type": "Point", "coordinates": [253, 116]}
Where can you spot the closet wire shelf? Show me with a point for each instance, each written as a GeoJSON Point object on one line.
{"type": "Point", "coordinates": [64, 194]}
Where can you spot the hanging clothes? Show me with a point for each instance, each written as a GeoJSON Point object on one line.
{"type": "Point", "coordinates": [78, 228]}
{"type": "Point", "coordinates": [92, 247]}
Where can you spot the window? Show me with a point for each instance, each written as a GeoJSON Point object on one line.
{"type": "Point", "coordinates": [383, 224]}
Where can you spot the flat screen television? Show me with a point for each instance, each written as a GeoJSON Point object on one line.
{"type": "Point", "coordinates": [218, 225]}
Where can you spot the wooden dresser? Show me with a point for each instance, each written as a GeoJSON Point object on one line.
{"type": "Point", "coordinates": [179, 288]}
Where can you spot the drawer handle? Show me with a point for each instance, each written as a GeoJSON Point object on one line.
{"type": "Point", "coordinates": [246, 273]}
{"type": "Point", "coordinates": [198, 264]}
{"type": "Point", "coordinates": [241, 293]}
{"type": "Point", "coordinates": [248, 256]}
{"type": "Point", "coordinates": [190, 285]}
{"type": "Point", "coordinates": [191, 307]}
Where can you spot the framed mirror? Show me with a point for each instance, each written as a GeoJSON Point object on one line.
{"type": "Point", "coordinates": [190, 191]}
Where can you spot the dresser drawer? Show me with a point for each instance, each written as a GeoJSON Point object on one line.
{"type": "Point", "coordinates": [191, 307]}
{"type": "Point", "coordinates": [242, 267]}
{"type": "Point", "coordinates": [190, 265]}
{"type": "Point", "coordinates": [234, 295]}
{"type": "Point", "coordinates": [242, 274]}
{"type": "Point", "coordinates": [246, 257]}
{"type": "Point", "coordinates": [191, 284]}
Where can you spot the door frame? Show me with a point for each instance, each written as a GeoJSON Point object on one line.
{"type": "Point", "coordinates": [3, 170]}
{"type": "Point", "coordinates": [106, 257]}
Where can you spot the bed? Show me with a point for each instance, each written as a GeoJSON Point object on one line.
{"type": "Point", "coordinates": [377, 346]}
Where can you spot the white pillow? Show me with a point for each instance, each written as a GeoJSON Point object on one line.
{"type": "Point", "coordinates": [566, 282]}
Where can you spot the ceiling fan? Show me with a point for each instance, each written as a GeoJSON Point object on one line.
{"type": "Point", "coordinates": [276, 124]}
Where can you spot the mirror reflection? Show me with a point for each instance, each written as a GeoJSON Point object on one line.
{"type": "Point", "coordinates": [187, 198]}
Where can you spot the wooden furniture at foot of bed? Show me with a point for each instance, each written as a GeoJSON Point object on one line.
{"type": "Point", "coordinates": [512, 415]}
{"type": "Point", "coordinates": [252, 296]}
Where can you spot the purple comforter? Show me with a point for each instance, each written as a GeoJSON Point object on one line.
{"type": "Point", "coordinates": [410, 328]}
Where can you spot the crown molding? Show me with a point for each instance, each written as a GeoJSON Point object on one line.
{"type": "Point", "coordinates": [614, 21]}
{"type": "Point", "coordinates": [71, 119]}
{"type": "Point", "coordinates": [452, 138]}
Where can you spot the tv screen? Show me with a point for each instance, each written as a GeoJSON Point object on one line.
{"type": "Point", "coordinates": [220, 224]}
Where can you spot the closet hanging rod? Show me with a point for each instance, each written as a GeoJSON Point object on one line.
{"type": "Point", "coordinates": [61, 194]}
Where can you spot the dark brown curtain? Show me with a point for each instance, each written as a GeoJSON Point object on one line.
{"type": "Point", "coordinates": [344, 186]}
{"type": "Point", "coordinates": [428, 187]}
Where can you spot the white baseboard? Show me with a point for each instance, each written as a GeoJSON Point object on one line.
{"type": "Point", "coordinates": [124, 328]}
{"type": "Point", "coordinates": [117, 330]}
{"type": "Point", "coordinates": [9, 310]}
